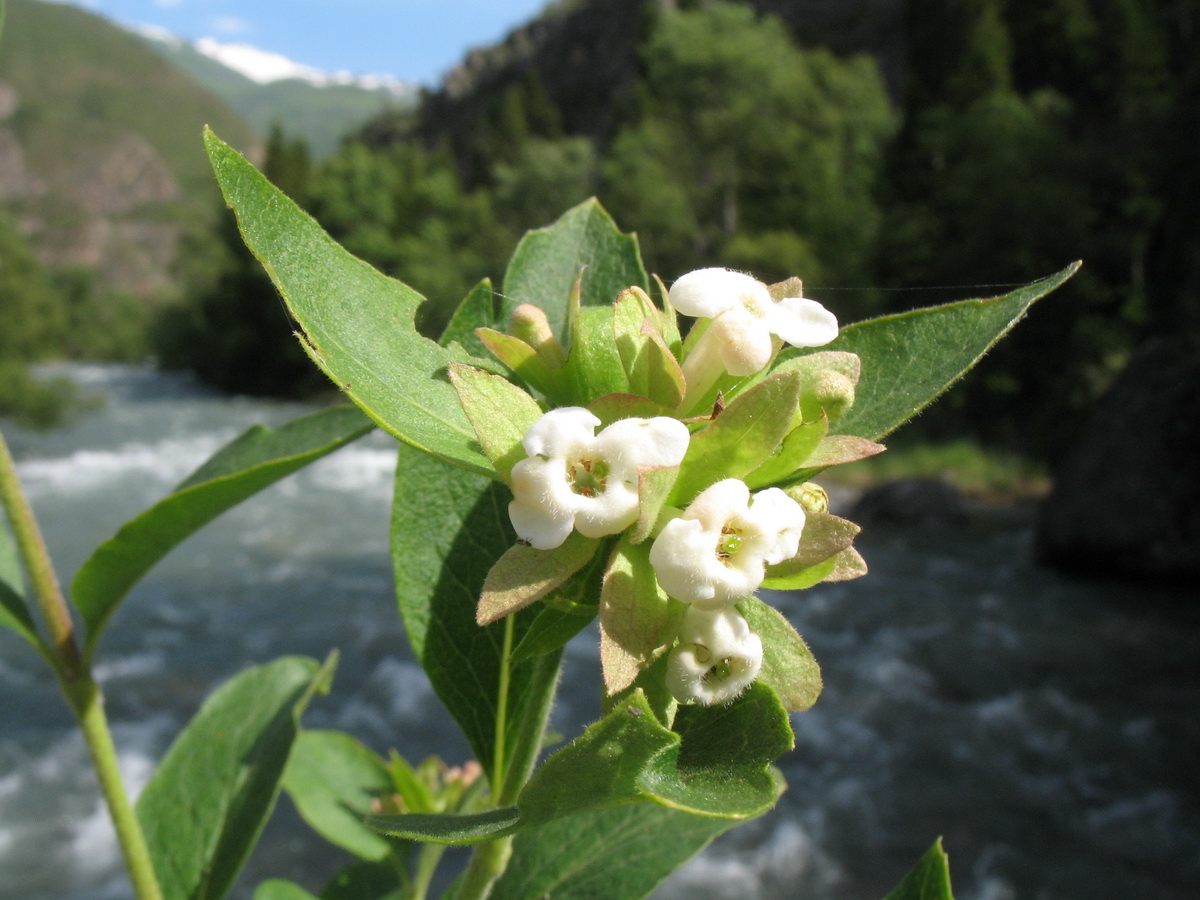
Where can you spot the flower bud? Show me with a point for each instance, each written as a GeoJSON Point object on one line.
{"type": "Point", "coordinates": [831, 391]}
{"type": "Point", "coordinates": [811, 497]}
{"type": "Point", "coordinates": [529, 323]}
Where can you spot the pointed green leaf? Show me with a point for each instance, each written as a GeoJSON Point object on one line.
{"type": "Point", "coordinates": [547, 262]}
{"type": "Point", "coordinates": [279, 889]}
{"type": "Point", "coordinates": [836, 449]}
{"type": "Point", "coordinates": [551, 631]}
{"type": "Point", "coordinates": [526, 363]}
{"type": "Point", "coordinates": [655, 484]}
{"type": "Point", "coordinates": [792, 456]}
{"type": "Point", "coordinates": [333, 779]}
{"type": "Point", "coordinates": [14, 613]}
{"type": "Point", "coordinates": [741, 438]}
{"type": "Point", "coordinates": [500, 412]}
{"type": "Point", "coordinates": [929, 879]}
{"type": "Point", "coordinates": [651, 369]}
{"type": "Point", "coordinates": [210, 797]}
{"type": "Point", "coordinates": [525, 574]}
{"type": "Point", "coordinates": [601, 767]}
{"type": "Point", "coordinates": [253, 461]}
{"type": "Point", "coordinates": [636, 617]}
{"type": "Point", "coordinates": [356, 323]}
{"type": "Point", "coordinates": [477, 310]}
{"type": "Point", "coordinates": [594, 365]}
{"type": "Point", "coordinates": [847, 565]}
{"type": "Point", "coordinates": [909, 359]}
{"type": "Point", "coordinates": [469, 828]}
{"type": "Point", "coordinates": [576, 858]}
{"type": "Point", "coordinates": [824, 536]}
{"type": "Point", "coordinates": [448, 528]}
{"type": "Point", "coordinates": [788, 667]}
{"type": "Point", "coordinates": [722, 766]}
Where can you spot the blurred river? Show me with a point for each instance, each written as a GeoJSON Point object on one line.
{"type": "Point", "coordinates": [1046, 728]}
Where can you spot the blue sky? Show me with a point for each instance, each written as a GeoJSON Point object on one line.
{"type": "Point", "coordinates": [410, 39]}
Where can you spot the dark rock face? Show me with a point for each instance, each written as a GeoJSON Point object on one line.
{"type": "Point", "coordinates": [1127, 500]}
{"type": "Point", "coordinates": [915, 502]}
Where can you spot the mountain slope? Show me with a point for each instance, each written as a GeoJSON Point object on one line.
{"type": "Point", "coordinates": [321, 114]}
{"type": "Point", "coordinates": [100, 152]}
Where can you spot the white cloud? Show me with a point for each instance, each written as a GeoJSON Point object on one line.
{"type": "Point", "coordinates": [264, 67]}
{"type": "Point", "coordinates": [230, 25]}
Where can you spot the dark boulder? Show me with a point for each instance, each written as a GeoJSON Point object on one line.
{"type": "Point", "coordinates": [1126, 501]}
{"type": "Point", "coordinates": [918, 502]}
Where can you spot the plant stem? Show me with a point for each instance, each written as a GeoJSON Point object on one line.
{"type": "Point", "coordinates": [66, 659]}
{"type": "Point", "coordinates": [82, 693]}
{"type": "Point", "coordinates": [488, 863]}
{"type": "Point", "coordinates": [104, 759]}
{"type": "Point", "coordinates": [500, 758]}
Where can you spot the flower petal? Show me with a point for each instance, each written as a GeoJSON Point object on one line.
{"type": "Point", "coordinates": [803, 322]}
{"type": "Point", "coordinates": [709, 292]}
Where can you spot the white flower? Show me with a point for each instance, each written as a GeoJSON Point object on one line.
{"type": "Point", "coordinates": [717, 552]}
{"type": "Point", "coordinates": [745, 317]}
{"type": "Point", "coordinates": [717, 657]}
{"type": "Point", "coordinates": [575, 478]}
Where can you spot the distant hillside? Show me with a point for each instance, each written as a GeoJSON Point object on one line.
{"type": "Point", "coordinates": [101, 160]}
{"type": "Point", "coordinates": [584, 56]}
{"type": "Point", "coordinates": [321, 114]}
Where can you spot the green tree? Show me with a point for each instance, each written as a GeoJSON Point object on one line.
{"type": "Point", "coordinates": [746, 146]}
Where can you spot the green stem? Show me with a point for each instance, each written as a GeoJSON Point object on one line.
{"type": "Point", "coordinates": [81, 691]}
{"type": "Point", "coordinates": [488, 863]}
{"type": "Point", "coordinates": [66, 658]}
{"type": "Point", "coordinates": [104, 759]}
{"type": "Point", "coordinates": [500, 758]}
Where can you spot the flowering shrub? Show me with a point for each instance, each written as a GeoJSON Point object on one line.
{"type": "Point", "coordinates": [565, 457]}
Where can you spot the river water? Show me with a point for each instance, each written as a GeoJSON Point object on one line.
{"type": "Point", "coordinates": [1046, 728]}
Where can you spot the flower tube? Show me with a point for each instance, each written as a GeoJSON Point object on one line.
{"type": "Point", "coordinates": [746, 323]}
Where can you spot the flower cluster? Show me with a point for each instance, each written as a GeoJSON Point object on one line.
{"type": "Point", "coordinates": [604, 469]}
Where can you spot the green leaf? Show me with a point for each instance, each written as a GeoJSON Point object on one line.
{"type": "Point", "coordinates": [477, 310]}
{"type": "Point", "coordinates": [788, 667]}
{"type": "Point", "coordinates": [621, 853]}
{"type": "Point", "coordinates": [836, 449]}
{"type": "Point", "coordinates": [528, 365]}
{"type": "Point", "coordinates": [210, 797]}
{"type": "Point", "coordinates": [279, 889]}
{"type": "Point", "coordinates": [824, 537]}
{"type": "Point", "coordinates": [525, 574]}
{"type": "Point", "coordinates": [651, 369]}
{"type": "Point", "coordinates": [792, 454]}
{"type": "Point", "coordinates": [365, 881]}
{"type": "Point", "coordinates": [929, 879]}
{"type": "Point", "coordinates": [909, 359]}
{"type": "Point", "coordinates": [332, 779]}
{"type": "Point", "coordinates": [255, 460]}
{"type": "Point", "coordinates": [14, 613]}
{"type": "Point", "coordinates": [448, 528]}
{"type": "Point", "coordinates": [450, 829]}
{"type": "Point", "coordinates": [547, 262]}
{"type": "Point", "coordinates": [550, 631]}
{"type": "Point", "coordinates": [356, 323]}
{"type": "Point", "coordinates": [594, 363]}
{"type": "Point", "coordinates": [741, 438]}
{"type": "Point", "coordinates": [636, 617]}
{"type": "Point", "coordinates": [722, 765]}
{"type": "Point", "coordinates": [500, 412]}
{"type": "Point", "coordinates": [601, 767]}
